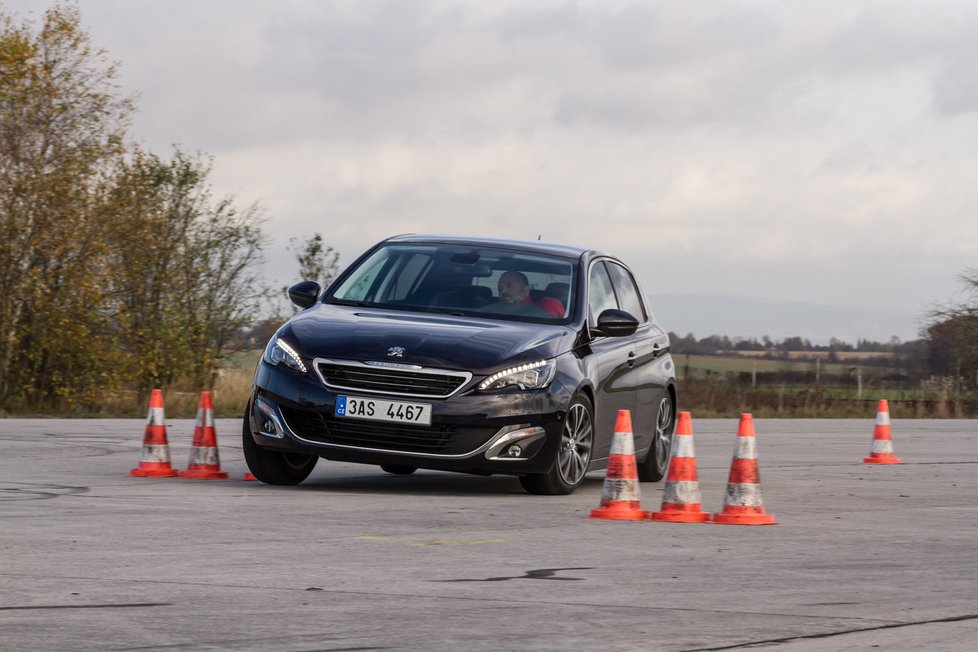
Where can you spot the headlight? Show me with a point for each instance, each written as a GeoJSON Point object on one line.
{"type": "Point", "coordinates": [532, 375]}
{"type": "Point", "coordinates": [279, 351]}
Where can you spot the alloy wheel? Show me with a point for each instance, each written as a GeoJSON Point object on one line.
{"type": "Point", "coordinates": [663, 434]}
{"type": "Point", "coordinates": [576, 440]}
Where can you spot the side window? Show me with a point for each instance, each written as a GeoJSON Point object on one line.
{"type": "Point", "coordinates": [600, 295]}
{"type": "Point", "coordinates": [627, 292]}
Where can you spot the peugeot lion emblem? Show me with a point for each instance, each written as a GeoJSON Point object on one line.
{"type": "Point", "coordinates": [395, 352]}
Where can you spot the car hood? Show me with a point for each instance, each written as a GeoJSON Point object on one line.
{"type": "Point", "coordinates": [481, 346]}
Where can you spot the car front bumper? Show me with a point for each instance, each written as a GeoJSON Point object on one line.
{"type": "Point", "coordinates": [470, 432]}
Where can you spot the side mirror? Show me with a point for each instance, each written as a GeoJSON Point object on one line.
{"type": "Point", "coordinates": [304, 294]}
{"type": "Point", "coordinates": [616, 323]}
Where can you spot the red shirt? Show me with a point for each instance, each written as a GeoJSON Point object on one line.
{"type": "Point", "coordinates": [551, 305]}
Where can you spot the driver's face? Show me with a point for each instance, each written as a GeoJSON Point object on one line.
{"type": "Point", "coordinates": [512, 289]}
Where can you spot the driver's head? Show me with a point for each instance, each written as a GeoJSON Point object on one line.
{"type": "Point", "coordinates": [513, 287]}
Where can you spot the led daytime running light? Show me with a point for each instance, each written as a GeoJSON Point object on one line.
{"type": "Point", "coordinates": [292, 354]}
{"type": "Point", "coordinates": [512, 370]}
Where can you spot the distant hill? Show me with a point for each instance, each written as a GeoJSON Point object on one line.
{"type": "Point", "coordinates": [717, 314]}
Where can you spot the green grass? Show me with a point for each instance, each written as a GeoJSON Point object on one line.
{"type": "Point", "coordinates": [737, 364]}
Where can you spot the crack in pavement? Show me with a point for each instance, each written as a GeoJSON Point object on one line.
{"type": "Point", "coordinates": [127, 605]}
{"type": "Point", "coordinates": [539, 574]}
{"type": "Point", "coordinates": [233, 644]}
{"type": "Point", "coordinates": [502, 600]}
{"type": "Point", "coordinates": [787, 639]}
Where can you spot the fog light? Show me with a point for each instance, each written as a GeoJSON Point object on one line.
{"type": "Point", "coordinates": [268, 426]}
{"type": "Point", "coordinates": [514, 451]}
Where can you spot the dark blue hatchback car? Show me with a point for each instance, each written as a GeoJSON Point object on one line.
{"type": "Point", "coordinates": [465, 354]}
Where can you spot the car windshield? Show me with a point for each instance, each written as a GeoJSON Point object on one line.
{"type": "Point", "coordinates": [462, 280]}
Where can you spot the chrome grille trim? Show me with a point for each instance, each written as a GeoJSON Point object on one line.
{"type": "Point", "coordinates": [387, 376]}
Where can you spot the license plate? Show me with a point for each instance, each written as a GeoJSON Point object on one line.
{"type": "Point", "coordinates": [375, 409]}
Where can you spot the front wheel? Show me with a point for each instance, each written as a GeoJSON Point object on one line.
{"type": "Point", "coordinates": [653, 468]}
{"type": "Point", "coordinates": [274, 467]}
{"type": "Point", "coordinates": [573, 454]}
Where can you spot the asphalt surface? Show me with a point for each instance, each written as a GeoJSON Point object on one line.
{"type": "Point", "coordinates": [864, 557]}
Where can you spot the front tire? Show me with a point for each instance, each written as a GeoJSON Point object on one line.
{"type": "Point", "coordinates": [573, 454]}
{"type": "Point", "coordinates": [654, 467]}
{"type": "Point", "coordinates": [274, 467]}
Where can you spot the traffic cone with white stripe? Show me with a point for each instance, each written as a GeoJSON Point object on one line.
{"type": "Point", "coordinates": [681, 501]}
{"type": "Point", "coordinates": [620, 496]}
{"type": "Point", "coordinates": [881, 451]}
{"type": "Point", "coordinates": [205, 463]}
{"type": "Point", "coordinates": [154, 461]}
{"type": "Point", "coordinates": [743, 505]}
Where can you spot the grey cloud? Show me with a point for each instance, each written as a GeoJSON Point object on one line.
{"type": "Point", "coordinates": [376, 71]}
{"type": "Point", "coordinates": [956, 88]}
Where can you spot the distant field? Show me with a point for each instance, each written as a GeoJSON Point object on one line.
{"type": "Point", "coordinates": [243, 360]}
{"type": "Point", "coordinates": [840, 355]}
{"type": "Point", "coordinates": [746, 364]}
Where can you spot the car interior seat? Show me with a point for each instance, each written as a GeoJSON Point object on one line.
{"type": "Point", "coordinates": [559, 291]}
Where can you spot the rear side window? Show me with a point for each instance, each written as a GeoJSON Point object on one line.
{"type": "Point", "coordinates": [628, 295]}
{"type": "Point", "coordinates": [600, 295]}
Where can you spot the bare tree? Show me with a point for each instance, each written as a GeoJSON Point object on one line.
{"type": "Point", "coordinates": [317, 261]}
{"type": "Point", "coordinates": [953, 332]}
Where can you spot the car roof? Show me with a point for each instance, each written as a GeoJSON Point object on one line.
{"type": "Point", "coordinates": [534, 246]}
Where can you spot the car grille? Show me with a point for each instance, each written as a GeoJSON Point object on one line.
{"type": "Point", "coordinates": [391, 381]}
{"type": "Point", "coordinates": [439, 439]}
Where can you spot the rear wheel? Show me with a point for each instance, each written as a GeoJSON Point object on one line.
{"type": "Point", "coordinates": [399, 469]}
{"type": "Point", "coordinates": [656, 462]}
{"type": "Point", "coordinates": [274, 467]}
{"type": "Point", "coordinates": [573, 454]}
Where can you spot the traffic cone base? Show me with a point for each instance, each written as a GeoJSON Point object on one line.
{"type": "Point", "coordinates": [204, 474]}
{"type": "Point", "coordinates": [880, 459]}
{"type": "Point", "coordinates": [620, 512]}
{"type": "Point", "coordinates": [154, 470]}
{"type": "Point", "coordinates": [680, 514]}
{"type": "Point", "coordinates": [249, 476]}
{"type": "Point", "coordinates": [744, 519]}
{"type": "Point", "coordinates": [620, 495]}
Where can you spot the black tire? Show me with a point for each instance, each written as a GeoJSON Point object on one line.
{"type": "Point", "coordinates": [573, 454]}
{"type": "Point", "coordinates": [653, 467]}
{"type": "Point", "coordinates": [274, 467]}
{"type": "Point", "coordinates": [399, 469]}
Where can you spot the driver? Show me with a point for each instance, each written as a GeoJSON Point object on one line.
{"type": "Point", "coordinates": [514, 287]}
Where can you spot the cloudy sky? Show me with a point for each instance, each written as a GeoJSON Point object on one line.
{"type": "Point", "coordinates": [824, 152]}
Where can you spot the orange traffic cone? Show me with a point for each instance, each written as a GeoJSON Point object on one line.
{"type": "Point", "coordinates": [205, 464]}
{"type": "Point", "coordinates": [681, 498]}
{"type": "Point", "coordinates": [742, 504]}
{"type": "Point", "coordinates": [620, 499]}
{"type": "Point", "coordinates": [154, 461]}
{"type": "Point", "coordinates": [249, 476]}
{"type": "Point", "coordinates": [881, 451]}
